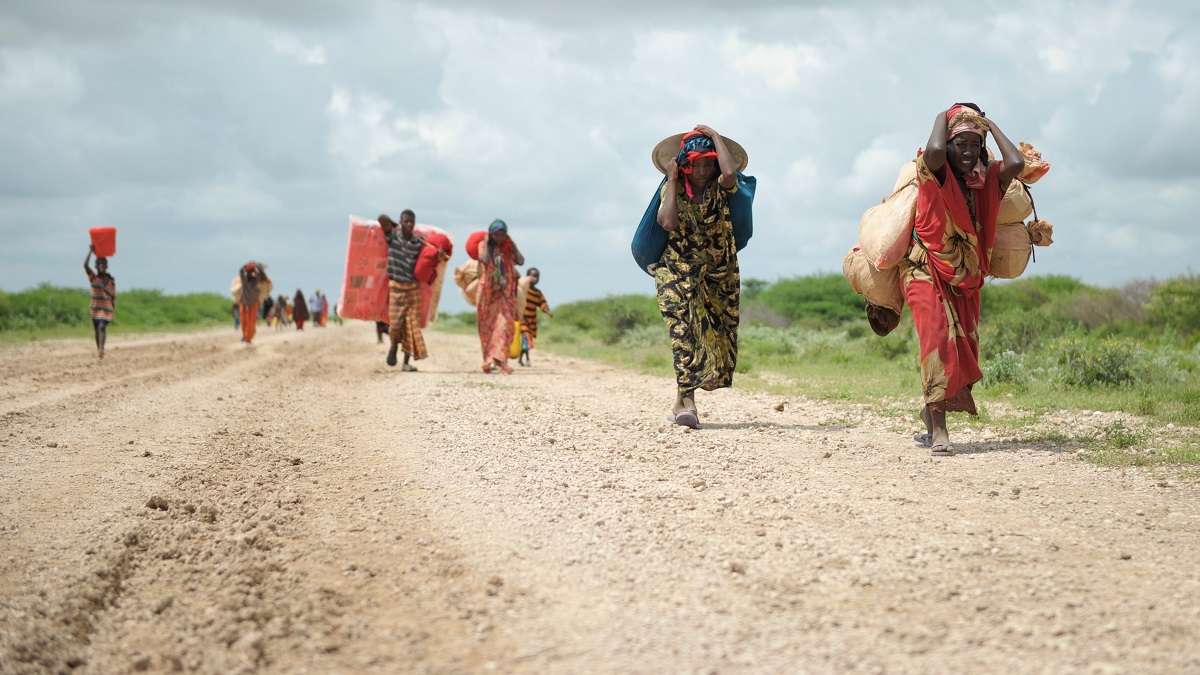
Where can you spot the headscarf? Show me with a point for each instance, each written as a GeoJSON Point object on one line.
{"type": "Point", "coordinates": [499, 254]}
{"type": "Point", "coordinates": [694, 145]}
{"type": "Point", "coordinates": [961, 119]}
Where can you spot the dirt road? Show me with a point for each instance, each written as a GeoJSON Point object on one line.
{"type": "Point", "coordinates": [191, 504]}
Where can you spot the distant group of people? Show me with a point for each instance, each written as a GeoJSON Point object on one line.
{"type": "Point", "coordinates": [255, 303]}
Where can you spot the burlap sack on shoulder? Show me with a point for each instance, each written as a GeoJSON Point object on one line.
{"type": "Point", "coordinates": [1010, 254]}
{"type": "Point", "coordinates": [1017, 205]}
{"type": "Point", "coordinates": [885, 230]}
{"type": "Point", "coordinates": [466, 277]}
{"type": "Point", "coordinates": [879, 287]}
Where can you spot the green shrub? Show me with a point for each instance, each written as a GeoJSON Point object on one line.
{"type": "Point", "coordinates": [1175, 304]}
{"type": "Point", "coordinates": [1005, 367]}
{"type": "Point", "coordinates": [1021, 331]}
{"type": "Point", "coordinates": [611, 317]}
{"type": "Point", "coordinates": [1024, 295]}
{"type": "Point", "coordinates": [763, 340]}
{"type": "Point", "coordinates": [821, 298]}
{"type": "Point", "coordinates": [1087, 363]}
{"type": "Point", "coordinates": [648, 335]}
{"type": "Point", "coordinates": [1096, 307]}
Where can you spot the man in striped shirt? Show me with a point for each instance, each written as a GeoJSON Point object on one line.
{"type": "Point", "coordinates": [404, 291]}
{"type": "Point", "coordinates": [104, 297]}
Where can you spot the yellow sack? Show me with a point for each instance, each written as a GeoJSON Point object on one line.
{"type": "Point", "coordinates": [885, 230]}
{"type": "Point", "coordinates": [514, 350]}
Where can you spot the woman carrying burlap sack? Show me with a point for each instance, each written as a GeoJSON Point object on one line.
{"type": "Point", "coordinates": [953, 232]}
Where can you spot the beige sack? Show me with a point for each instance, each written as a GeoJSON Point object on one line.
{"type": "Point", "coordinates": [1035, 166]}
{"type": "Point", "coordinates": [885, 230]}
{"type": "Point", "coordinates": [1017, 205]}
{"type": "Point", "coordinates": [523, 285]}
{"type": "Point", "coordinates": [264, 288]}
{"type": "Point", "coordinates": [879, 287]}
{"type": "Point", "coordinates": [1010, 254]}
{"type": "Point", "coordinates": [1041, 232]}
{"type": "Point", "coordinates": [466, 277]}
{"type": "Point", "coordinates": [435, 296]}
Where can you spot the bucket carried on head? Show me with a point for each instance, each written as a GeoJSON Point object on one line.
{"type": "Point", "coordinates": [104, 241]}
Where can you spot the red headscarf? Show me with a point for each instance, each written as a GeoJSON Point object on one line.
{"type": "Point", "coordinates": [694, 145]}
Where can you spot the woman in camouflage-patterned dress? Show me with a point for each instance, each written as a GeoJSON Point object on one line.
{"type": "Point", "coordinates": [697, 277]}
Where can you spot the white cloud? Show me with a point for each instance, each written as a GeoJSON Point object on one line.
{"type": "Point", "coordinates": [236, 200]}
{"type": "Point", "coordinates": [778, 65]}
{"type": "Point", "coordinates": [292, 47]}
{"type": "Point", "coordinates": [544, 113]}
{"type": "Point", "coordinates": [34, 77]}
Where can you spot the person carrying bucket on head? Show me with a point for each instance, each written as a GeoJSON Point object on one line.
{"type": "Point", "coordinates": [104, 297]}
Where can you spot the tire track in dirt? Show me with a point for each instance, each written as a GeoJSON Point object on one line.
{"type": "Point", "coordinates": [209, 564]}
{"type": "Point", "coordinates": [298, 506]}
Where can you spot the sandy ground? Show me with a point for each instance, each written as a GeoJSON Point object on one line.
{"type": "Point", "coordinates": [191, 504]}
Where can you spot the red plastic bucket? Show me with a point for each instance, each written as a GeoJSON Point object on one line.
{"type": "Point", "coordinates": [104, 240]}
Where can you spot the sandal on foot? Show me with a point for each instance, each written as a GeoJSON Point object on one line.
{"type": "Point", "coordinates": [409, 369]}
{"type": "Point", "coordinates": [685, 418]}
{"type": "Point", "coordinates": [925, 439]}
{"type": "Point", "coordinates": [942, 450]}
{"type": "Point", "coordinates": [507, 370]}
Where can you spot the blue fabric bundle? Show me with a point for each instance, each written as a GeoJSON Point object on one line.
{"type": "Point", "coordinates": [650, 240]}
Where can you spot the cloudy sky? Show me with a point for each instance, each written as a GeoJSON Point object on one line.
{"type": "Point", "coordinates": [210, 132]}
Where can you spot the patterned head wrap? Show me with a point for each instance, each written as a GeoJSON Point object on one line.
{"type": "Point", "coordinates": [961, 119]}
{"type": "Point", "coordinates": [693, 146]}
{"type": "Point", "coordinates": [500, 252]}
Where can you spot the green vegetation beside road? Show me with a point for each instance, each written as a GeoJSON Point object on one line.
{"type": "Point", "coordinates": [1049, 345]}
{"type": "Point", "coordinates": [54, 312]}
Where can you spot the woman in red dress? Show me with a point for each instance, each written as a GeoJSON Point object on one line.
{"type": "Point", "coordinates": [958, 201]}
